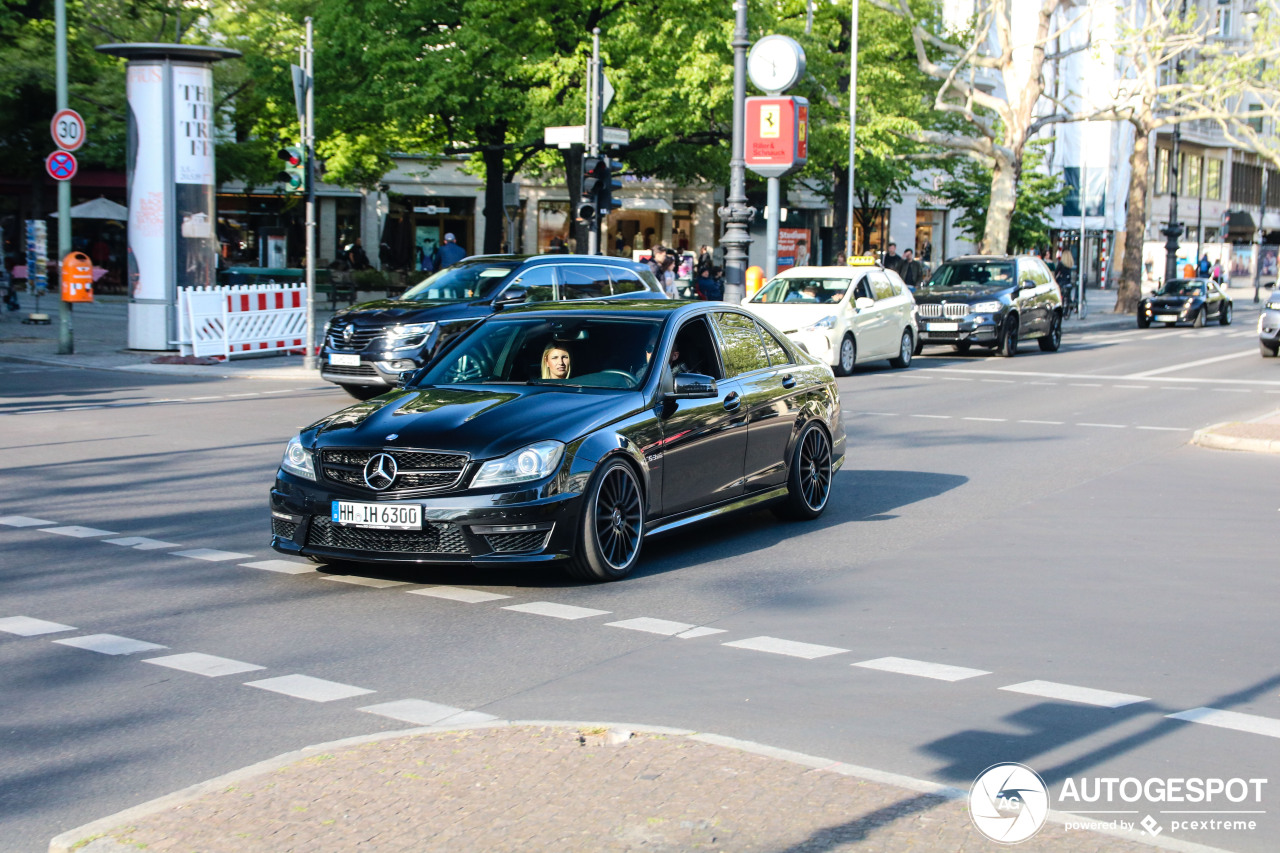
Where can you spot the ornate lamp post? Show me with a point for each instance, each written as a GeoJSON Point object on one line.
{"type": "Point", "coordinates": [736, 213]}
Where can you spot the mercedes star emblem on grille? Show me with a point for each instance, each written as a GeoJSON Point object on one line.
{"type": "Point", "coordinates": [380, 471]}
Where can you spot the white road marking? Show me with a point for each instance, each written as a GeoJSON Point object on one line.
{"type": "Point", "coordinates": [1233, 390]}
{"type": "Point", "coordinates": [1166, 429]}
{"type": "Point", "coordinates": [306, 687]}
{"type": "Point", "coordinates": [375, 583]}
{"type": "Point", "coordinates": [1253, 353]}
{"type": "Point", "coordinates": [247, 394]}
{"type": "Point", "coordinates": [1071, 693]}
{"type": "Point", "coordinates": [1055, 384]}
{"type": "Point", "coordinates": [1085, 384]}
{"type": "Point", "coordinates": [1250, 723]}
{"type": "Point", "coordinates": [288, 567]}
{"type": "Point", "coordinates": [699, 632]}
{"type": "Point", "coordinates": [26, 626]}
{"type": "Point", "coordinates": [423, 713]}
{"type": "Point", "coordinates": [991, 420]}
{"type": "Point", "coordinates": [1105, 426]}
{"type": "Point", "coordinates": [1001, 381]}
{"type": "Point", "coordinates": [956, 378]}
{"type": "Point", "coordinates": [885, 414]}
{"type": "Point", "coordinates": [1025, 374]}
{"type": "Point", "coordinates": [212, 555]}
{"type": "Point", "coordinates": [773, 645]}
{"type": "Point", "coordinates": [937, 417]}
{"type": "Point", "coordinates": [142, 543]}
{"type": "Point", "coordinates": [110, 644]}
{"type": "Point", "coordinates": [201, 399]}
{"type": "Point", "coordinates": [79, 532]}
{"type": "Point", "coordinates": [457, 593]}
{"type": "Point", "coordinates": [1176, 388]}
{"type": "Point", "coordinates": [652, 626]}
{"type": "Point", "coordinates": [924, 669]}
{"type": "Point", "coordinates": [1045, 423]}
{"type": "Point", "coordinates": [1134, 387]}
{"type": "Point", "coordinates": [558, 611]}
{"type": "Point", "coordinates": [24, 521]}
{"type": "Point", "coordinates": [210, 666]}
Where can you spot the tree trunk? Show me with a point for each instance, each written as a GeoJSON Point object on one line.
{"type": "Point", "coordinates": [1129, 287]}
{"type": "Point", "coordinates": [1004, 187]}
{"type": "Point", "coordinates": [495, 222]}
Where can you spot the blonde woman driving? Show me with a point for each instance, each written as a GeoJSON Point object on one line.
{"type": "Point", "coordinates": [555, 361]}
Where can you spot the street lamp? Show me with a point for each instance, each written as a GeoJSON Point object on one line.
{"type": "Point", "coordinates": [736, 212]}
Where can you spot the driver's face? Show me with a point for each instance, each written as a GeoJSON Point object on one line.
{"type": "Point", "coordinates": [558, 363]}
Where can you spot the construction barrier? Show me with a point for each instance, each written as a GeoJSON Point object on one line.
{"type": "Point", "coordinates": [241, 320]}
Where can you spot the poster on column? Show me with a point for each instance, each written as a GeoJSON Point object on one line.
{"type": "Point", "coordinates": [793, 248]}
{"type": "Point", "coordinates": [144, 86]}
{"type": "Point", "coordinates": [193, 175]}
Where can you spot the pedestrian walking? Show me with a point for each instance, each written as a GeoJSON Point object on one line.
{"type": "Point", "coordinates": [450, 251]}
{"type": "Point", "coordinates": [706, 262]}
{"type": "Point", "coordinates": [1204, 267]}
{"type": "Point", "coordinates": [892, 260]}
{"type": "Point", "coordinates": [910, 271]}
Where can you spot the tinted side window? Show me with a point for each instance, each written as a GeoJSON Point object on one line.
{"type": "Point", "coordinates": [743, 349]}
{"type": "Point", "coordinates": [880, 287]}
{"type": "Point", "coordinates": [583, 281]}
{"type": "Point", "coordinates": [625, 281]}
{"type": "Point", "coordinates": [694, 350]}
{"type": "Point", "coordinates": [862, 288]}
{"type": "Point", "coordinates": [776, 351]}
{"type": "Point", "coordinates": [539, 281]}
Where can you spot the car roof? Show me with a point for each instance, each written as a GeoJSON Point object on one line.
{"type": "Point", "coordinates": [557, 259]}
{"type": "Point", "coordinates": [833, 271]}
{"type": "Point", "coordinates": [613, 307]}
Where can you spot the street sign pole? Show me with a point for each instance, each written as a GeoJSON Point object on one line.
{"type": "Point", "coordinates": [310, 361]}
{"type": "Point", "coordinates": [66, 335]}
{"type": "Point", "coordinates": [593, 132]}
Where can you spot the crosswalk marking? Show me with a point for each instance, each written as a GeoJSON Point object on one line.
{"type": "Point", "coordinates": [78, 532]}
{"type": "Point", "coordinates": [306, 687]}
{"type": "Point", "coordinates": [652, 626]}
{"type": "Point", "coordinates": [24, 521]}
{"type": "Point", "coordinates": [356, 580]}
{"type": "Point", "coordinates": [1235, 720]}
{"type": "Point", "coordinates": [455, 593]}
{"type": "Point", "coordinates": [212, 555]}
{"type": "Point", "coordinates": [25, 626]}
{"type": "Point", "coordinates": [423, 713]}
{"type": "Point", "coordinates": [288, 567]}
{"type": "Point", "coordinates": [211, 666]}
{"type": "Point", "coordinates": [142, 543]}
{"type": "Point", "coordinates": [694, 633]}
{"type": "Point", "coordinates": [110, 644]}
{"type": "Point", "coordinates": [1071, 693]}
{"type": "Point", "coordinates": [773, 645]}
{"type": "Point", "coordinates": [924, 669]}
{"type": "Point", "coordinates": [557, 611]}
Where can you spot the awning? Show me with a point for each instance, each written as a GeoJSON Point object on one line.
{"type": "Point", "coordinates": [658, 205]}
{"type": "Point", "coordinates": [1240, 221]}
{"type": "Point", "coordinates": [99, 208]}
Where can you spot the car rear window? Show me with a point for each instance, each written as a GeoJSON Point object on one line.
{"type": "Point", "coordinates": [460, 282]}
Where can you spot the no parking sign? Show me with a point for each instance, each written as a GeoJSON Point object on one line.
{"type": "Point", "coordinates": [61, 165]}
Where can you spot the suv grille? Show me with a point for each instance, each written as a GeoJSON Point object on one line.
{"type": "Point", "coordinates": [343, 370]}
{"type": "Point", "coordinates": [361, 337]}
{"type": "Point", "coordinates": [433, 539]}
{"type": "Point", "coordinates": [951, 309]}
{"type": "Point", "coordinates": [418, 470]}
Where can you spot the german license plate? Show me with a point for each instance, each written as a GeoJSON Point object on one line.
{"type": "Point", "coordinates": [942, 327]}
{"type": "Point", "coordinates": [345, 359]}
{"type": "Point", "coordinates": [380, 516]}
{"type": "Point", "coordinates": [1166, 318]}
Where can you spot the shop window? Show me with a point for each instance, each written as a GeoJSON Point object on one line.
{"type": "Point", "coordinates": [1213, 179]}
{"type": "Point", "coordinates": [553, 224]}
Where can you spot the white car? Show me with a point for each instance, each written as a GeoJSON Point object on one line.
{"type": "Point", "coordinates": [841, 315]}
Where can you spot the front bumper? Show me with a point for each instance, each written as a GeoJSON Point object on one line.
{"type": "Point", "coordinates": [514, 526]}
{"type": "Point", "coordinates": [380, 369]}
{"type": "Point", "coordinates": [976, 328]}
{"type": "Point", "coordinates": [1269, 327]}
{"type": "Point", "coordinates": [1167, 313]}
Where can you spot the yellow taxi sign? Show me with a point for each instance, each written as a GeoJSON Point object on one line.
{"type": "Point", "coordinates": [863, 261]}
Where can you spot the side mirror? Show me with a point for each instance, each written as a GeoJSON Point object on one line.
{"type": "Point", "coordinates": [692, 386]}
{"type": "Point", "coordinates": [405, 377]}
{"type": "Point", "coordinates": [863, 302]}
{"type": "Point", "coordinates": [511, 296]}
{"type": "Point", "coordinates": [1027, 284]}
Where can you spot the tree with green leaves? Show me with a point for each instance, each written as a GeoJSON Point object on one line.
{"type": "Point", "coordinates": [1037, 192]}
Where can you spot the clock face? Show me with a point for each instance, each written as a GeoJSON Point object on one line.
{"type": "Point", "coordinates": [775, 63]}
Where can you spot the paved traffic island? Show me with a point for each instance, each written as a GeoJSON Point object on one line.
{"type": "Point", "coordinates": [1257, 436]}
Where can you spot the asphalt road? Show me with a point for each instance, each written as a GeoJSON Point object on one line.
{"type": "Point", "coordinates": [1039, 523]}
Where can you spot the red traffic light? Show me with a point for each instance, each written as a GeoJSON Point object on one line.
{"type": "Point", "coordinates": [291, 155]}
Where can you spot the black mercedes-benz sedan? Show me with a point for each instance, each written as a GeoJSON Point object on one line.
{"type": "Point", "coordinates": [566, 432]}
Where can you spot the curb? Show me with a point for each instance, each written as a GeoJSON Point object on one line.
{"type": "Point", "coordinates": [1207, 437]}
{"type": "Point", "coordinates": [94, 837]}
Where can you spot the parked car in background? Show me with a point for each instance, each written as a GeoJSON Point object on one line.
{"type": "Point", "coordinates": [842, 316]}
{"type": "Point", "coordinates": [990, 300]}
{"type": "Point", "coordinates": [367, 346]}
{"type": "Point", "coordinates": [566, 433]}
{"type": "Point", "coordinates": [1269, 326]}
{"type": "Point", "coordinates": [1185, 300]}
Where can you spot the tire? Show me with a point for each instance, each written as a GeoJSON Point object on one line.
{"type": "Point", "coordinates": [848, 355]}
{"type": "Point", "coordinates": [906, 349]}
{"type": "Point", "coordinates": [809, 480]}
{"type": "Point", "coordinates": [1052, 339]}
{"type": "Point", "coordinates": [919, 347]}
{"type": "Point", "coordinates": [1198, 322]}
{"type": "Point", "coordinates": [1268, 351]}
{"type": "Point", "coordinates": [1224, 315]}
{"type": "Point", "coordinates": [611, 528]}
{"type": "Point", "coordinates": [962, 346]}
{"type": "Point", "coordinates": [1144, 322]}
{"type": "Point", "coordinates": [1083, 308]}
{"type": "Point", "coordinates": [364, 392]}
{"type": "Point", "coordinates": [1007, 346]}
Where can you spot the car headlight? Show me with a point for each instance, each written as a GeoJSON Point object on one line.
{"type": "Point", "coordinates": [1191, 300]}
{"type": "Point", "coordinates": [828, 322]}
{"type": "Point", "coordinates": [528, 463]}
{"type": "Point", "coordinates": [410, 330]}
{"type": "Point", "coordinates": [297, 460]}
{"type": "Point", "coordinates": [1273, 305]}
{"type": "Point", "coordinates": [985, 307]}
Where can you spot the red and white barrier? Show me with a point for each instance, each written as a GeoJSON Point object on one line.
{"type": "Point", "coordinates": [252, 318]}
{"type": "Point", "coordinates": [1102, 260]}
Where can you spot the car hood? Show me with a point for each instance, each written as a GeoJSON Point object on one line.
{"type": "Point", "coordinates": [384, 312]}
{"type": "Point", "coordinates": [483, 420]}
{"type": "Point", "coordinates": [790, 316]}
{"type": "Point", "coordinates": [1171, 301]}
{"type": "Point", "coordinates": [976, 293]}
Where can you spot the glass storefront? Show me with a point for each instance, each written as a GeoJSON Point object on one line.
{"type": "Point", "coordinates": [415, 226]}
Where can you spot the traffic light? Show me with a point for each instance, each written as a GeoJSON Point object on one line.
{"type": "Point", "coordinates": [595, 173]}
{"type": "Point", "coordinates": [611, 180]}
{"type": "Point", "coordinates": [293, 175]}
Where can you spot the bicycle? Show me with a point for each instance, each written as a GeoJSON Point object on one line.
{"type": "Point", "coordinates": [1071, 304]}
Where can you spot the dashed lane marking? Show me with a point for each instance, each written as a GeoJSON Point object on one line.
{"type": "Point", "coordinates": [1104, 426]}
{"type": "Point", "coordinates": [652, 626]}
{"type": "Point", "coordinates": [420, 712]}
{"type": "Point", "coordinates": [1042, 423]}
{"type": "Point", "coordinates": [142, 543]}
{"type": "Point", "coordinates": [287, 567]}
{"type": "Point", "coordinates": [1233, 390]}
{"type": "Point", "coordinates": [1250, 723]}
{"type": "Point", "coordinates": [557, 611]}
{"type": "Point", "coordinates": [1166, 429]}
{"type": "Point", "coordinates": [24, 521]}
{"type": "Point", "coordinates": [699, 632]}
{"type": "Point", "coordinates": [306, 687]}
{"type": "Point", "coordinates": [79, 532]}
{"type": "Point", "coordinates": [1133, 387]}
{"type": "Point", "coordinates": [988, 420]}
{"type": "Point", "coordinates": [1089, 377]}
{"type": "Point", "coordinates": [25, 626]}
{"type": "Point", "coordinates": [357, 580]}
{"type": "Point", "coordinates": [110, 644]}
{"type": "Point", "coordinates": [924, 669]}
{"type": "Point", "coordinates": [773, 645]}
{"type": "Point", "coordinates": [1085, 384]}
{"type": "Point", "coordinates": [455, 593]}
{"type": "Point", "coordinates": [212, 555]}
{"type": "Point", "coordinates": [210, 666]}
{"type": "Point", "coordinates": [936, 417]}
{"type": "Point", "coordinates": [1071, 693]}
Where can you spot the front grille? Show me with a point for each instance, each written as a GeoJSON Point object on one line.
{"type": "Point", "coordinates": [942, 336]}
{"type": "Point", "coordinates": [418, 470]}
{"type": "Point", "coordinates": [442, 538]}
{"type": "Point", "coordinates": [510, 543]}
{"type": "Point", "coordinates": [283, 528]}
{"type": "Point", "coordinates": [953, 310]}
{"type": "Point", "coordinates": [360, 339]}
{"type": "Point", "coordinates": [343, 370]}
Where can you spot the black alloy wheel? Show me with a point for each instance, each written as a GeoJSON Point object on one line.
{"type": "Point", "coordinates": [809, 480]}
{"type": "Point", "coordinates": [1198, 322]}
{"type": "Point", "coordinates": [1224, 314]}
{"type": "Point", "coordinates": [1144, 322]}
{"type": "Point", "coordinates": [906, 348]}
{"type": "Point", "coordinates": [1052, 339]}
{"type": "Point", "coordinates": [364, 392]}
{"type": "Point", "coordinates": [1007, 346]}
{"type": "Point", "coordinates": [612, 526]}
{"type": "Point", "coordinates": [848, 355]}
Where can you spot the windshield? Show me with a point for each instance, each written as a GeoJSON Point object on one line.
{"type": "Point", "coordinates": [811, 290]}
{"type": "Point", "coordinates": [591, 352]}
{"type": "Point", "coordinates": [477, 280]}
{"type": "Point", "coordinates": [973, 274]}
{"type": "Point", "coordinates": [1181, 287]}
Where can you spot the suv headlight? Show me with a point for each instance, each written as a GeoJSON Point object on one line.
{"type": "Point", "coordinates": [828, 322]}
{"type": "Point", "coordinates": [985, 308]}
{"type": "Point", "coordinates": [528, 463]}
{"type": "Point", "coordinates": [297, 460]}
{"type": "Point", "coordinates": [410, 330]}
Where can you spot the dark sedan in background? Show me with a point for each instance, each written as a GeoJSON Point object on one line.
{"type": "Point", "coordinates": [1185, 300]}
{"type": "Point", "coordinates": [566, 432]}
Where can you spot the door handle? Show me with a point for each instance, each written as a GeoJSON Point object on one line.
{"type": "Point", "coordinates": [732, 402]}
{"type": "Point", "coordinates": [788, 381]}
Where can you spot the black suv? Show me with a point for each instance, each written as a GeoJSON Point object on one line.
{"type": "Point", "coordinates": [367, 346]}
{"type": "Point", "coordinates": [990, 300]}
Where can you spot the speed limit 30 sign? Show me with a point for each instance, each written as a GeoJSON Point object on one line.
{"type": "Point", "coordinates": [67, 129]}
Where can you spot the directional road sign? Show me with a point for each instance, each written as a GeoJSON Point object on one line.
{"type": "Point", "coordinates": [68, 129]}
{"type": "Point", "coordinates": [61, 165]}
